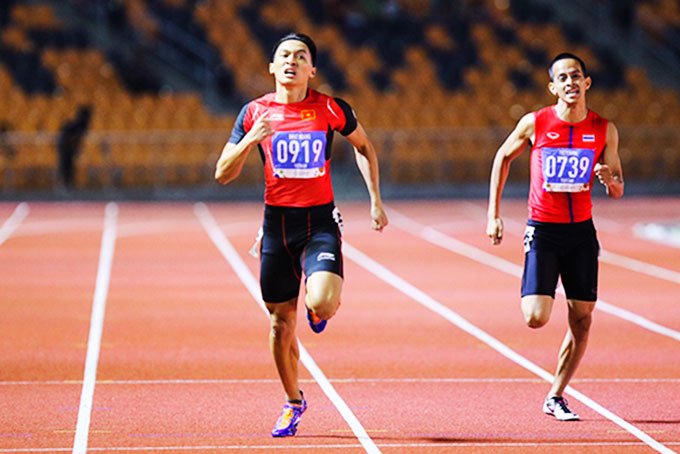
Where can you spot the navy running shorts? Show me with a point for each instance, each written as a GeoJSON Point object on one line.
{"type": "Point", "coordinates": [297, 241]}
{"type": "Point", "coordinates": [568, 251]}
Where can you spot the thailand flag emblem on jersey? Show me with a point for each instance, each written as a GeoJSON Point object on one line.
{"type": "Point", "coordinates": [589, 137]}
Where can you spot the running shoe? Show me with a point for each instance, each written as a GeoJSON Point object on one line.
{"type": "Point", "coordinates": [286, 426]}
{"type": "Point", "coordinates": [315, 322]}
{"type": "Point", "coordinates": [557, 407]}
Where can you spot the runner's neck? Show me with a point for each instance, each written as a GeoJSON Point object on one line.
{"type": "Point", "coordinates": [571, 113]}
{"type": "Point", "coordinates": [290, 95]}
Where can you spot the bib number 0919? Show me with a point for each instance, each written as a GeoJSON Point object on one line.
{"type": "Point", "coordinates": [289, 151]}
{"type": "Point", "coordinates": [299, 154]}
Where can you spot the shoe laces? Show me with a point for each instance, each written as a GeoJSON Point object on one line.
{"type": "Point", "coordinates": [315, 318]}
{"type": "Point", "coordinates": [562, 403]}
{"type": "Point", "coordinates": [286, 417]}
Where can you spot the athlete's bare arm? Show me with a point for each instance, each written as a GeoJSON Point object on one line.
{"type": "Point", "coordinates": [233, 156]}
{"type": "Point", "coordinates": [513, 146]}
{"type": "Point", "coordinates": [609, 171]}
{"type": "Point", "coordinates": [367, 161]}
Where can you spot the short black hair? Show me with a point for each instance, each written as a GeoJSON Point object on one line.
{"type": "Point", "coordinates": [563, 56]}
{"type": "Point", "coordinates": [299, 37]}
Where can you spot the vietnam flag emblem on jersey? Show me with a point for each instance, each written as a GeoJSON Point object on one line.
{"type": "Point", "coordinates": [309, 114]}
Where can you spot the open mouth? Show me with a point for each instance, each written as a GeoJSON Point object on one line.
{"type": "Point", "coordinates": [290, 72]}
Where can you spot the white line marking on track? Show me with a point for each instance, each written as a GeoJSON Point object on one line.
{"type": "Point", "coordinates": [452, 444]}
{"type": "Point", "coordinates": [435, 306]}
{"type": "Point", "coordinates": [657, 233]}
{"type": "Point", "coordinates": [10, 225]}
{"type": "Point", "coordinates": [640, 267]}
{"type": "Point", "coordinates": [154, 227]}
{"type": "Point", "coordinates": [96, 326]}
{"type": "Point", "coordinates": [254, 381]}
{"type": "Point", "coordinates": [55, 226]}
{"type": "Point", "coordinates": [225, 247]}
{"type": "Point", "coordinates": [444, 241]}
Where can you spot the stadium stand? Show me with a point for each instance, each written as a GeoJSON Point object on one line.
{"type": "Point", "coordinates": [438, 84]}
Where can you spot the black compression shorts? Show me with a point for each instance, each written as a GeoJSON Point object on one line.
{"type": "Point", "coordinates": [297, 241]}
{"type": "Point", "coordinates": [568, 251]}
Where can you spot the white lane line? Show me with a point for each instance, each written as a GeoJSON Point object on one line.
{"type": "Point", "coordinates": [124, 230]}
{"type": "Point", "coordinates": [225, 247]}
{"type": "Point", "coordinates": [254, 381]}
{"type": "Point", "coordinates": [164, 226]}
{"type": "Point", "coordinates": [421, 297]}
{"type": "Point", "coordinates": [444, 241]}
{"type": "Point", "coordinates": [639, 266]}
{"type": "Point", "coordinates": [154, 227]}
{"type": "Point", "coordinates": [96, 327]}
{"type": "Point", "coordinates": [60, 226]}
{"type": "Point", "coordinates": [295, 447]}
{"type": "Point", "coordinates": [11, 223]}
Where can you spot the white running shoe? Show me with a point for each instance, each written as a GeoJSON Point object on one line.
{"type": "Point", "coordinates": [557, 407]}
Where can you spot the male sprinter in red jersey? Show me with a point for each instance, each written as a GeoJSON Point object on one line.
{"type": "Point", "coordinates": [570, 145]}
{"type": "Point", "coordinates": [293, 128]}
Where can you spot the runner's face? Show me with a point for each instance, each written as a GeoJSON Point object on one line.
{"type": "Point", "coordinates": [568, 83]}
{"type": "Point", "coordinates": [292, 63]}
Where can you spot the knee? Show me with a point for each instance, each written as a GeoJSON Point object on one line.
{"type": "Point", "coordinates": [280, 327]}
{"type": "Point", "coordinates": [536, 320]}
{"type": "Point", "coordinates": [580, 317]}
{"type": "Point", "coordinates": [324, 306]}
{"type": "Point", "coordinates": [536, 310]}
{"type": "Point", "coordinates": [581, 325]}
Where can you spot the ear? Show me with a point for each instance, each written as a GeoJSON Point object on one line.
{"type": "Point", "coordinates": [588, 82]}
{"type": "Point", "coordinates": [271, 68]}
{"type": "Point", "coordinates": [313, 73]}
{"type": "Point", "coordinates": [552, 89]}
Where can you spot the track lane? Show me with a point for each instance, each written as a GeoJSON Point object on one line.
{"type": "Point", "coordinates": [177, 311]}
{"type": "Point", "coordinates": [612, 275]}
{"type": "Point", "coordinates": [356, 344]}
{"type": "Point", "coordinates": [305, 359]}
{"type": "Point", "coordinates": [397, 338]}
{"type": "Point", "coordinates": [46, 288]}
{"type": "Point", "coordinates": [628, 345]}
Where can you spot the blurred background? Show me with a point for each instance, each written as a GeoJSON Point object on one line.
{"type": "Point", "coordinates": [136, 98]}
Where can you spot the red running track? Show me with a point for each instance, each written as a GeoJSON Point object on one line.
{"type": "Point", "coordinates": [184, 366]}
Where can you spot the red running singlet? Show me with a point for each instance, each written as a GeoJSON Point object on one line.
{"type": "Point", "coordinates": [562, 161]}
{"type": "Point", "coordinates": [297, 157]}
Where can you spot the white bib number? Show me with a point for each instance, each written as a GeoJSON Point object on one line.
{"type": "Point", "coordinates": [567, 169]}
{"type": "Point", "coordinates": [299, 154]}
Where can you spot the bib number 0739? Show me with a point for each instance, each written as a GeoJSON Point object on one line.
{"type": "Point", "coordinates": [567, 166]}
{"type": "Point", "coordinates": [567, 169]}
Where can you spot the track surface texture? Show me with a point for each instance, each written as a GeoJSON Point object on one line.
{"type": "Point", "coordinates": [137, 327]}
